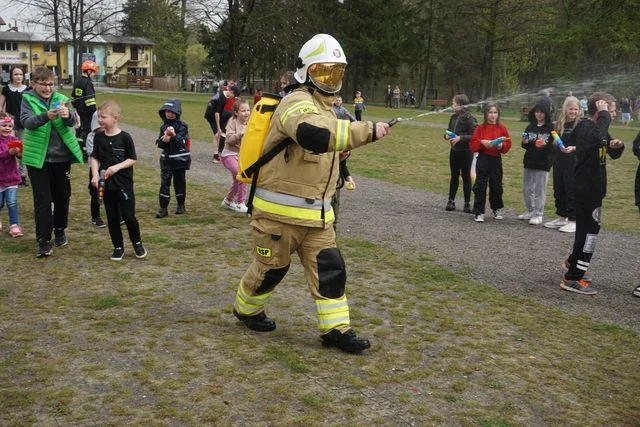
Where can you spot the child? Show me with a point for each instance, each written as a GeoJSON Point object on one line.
{"type": "Point", "coordinates": [538, 158]}
{"type": "Point", "coordinates": [9, 173]}
{"type": "Point", "coordinates": [10, 101]}
{"type": "Point", "coordinates": [564, 167]}
{"type": "Point", "coordinates": [112, 158]}
{"type": "Point", "coordinates": [462, 123]}
{"type": "Point", "coordinates": [229, 157]}
{"type": "Point", "coordinates": [358, 104]}
{"type": "Point", "coordinates": [485, 141]}
{"type": "Point", "coordinates": [50, 146]}
{"type": "Point", "coordinates": [175, 158]}
{"type": "Point", "coordinates": [94, 205]}
{"type": "Point", "coordinates": [592, 142]}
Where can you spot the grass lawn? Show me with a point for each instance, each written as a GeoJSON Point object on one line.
{"type": "Point", "coordinates": [87, 341]}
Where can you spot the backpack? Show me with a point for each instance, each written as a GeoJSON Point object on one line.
{"type": "Point", "coordinates": [251, 158]}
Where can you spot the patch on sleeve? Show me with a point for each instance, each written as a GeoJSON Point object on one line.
{"type": "Point", "coordinates": [590, 244]}
{"type": "Point", "coordinates": [264, 252]}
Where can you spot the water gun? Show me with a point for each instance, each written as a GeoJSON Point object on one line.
{"type": "Point", "coordinates": [525, 135]}
{"type": "Point", "coordinates": [557, 139]}
{"type": "Point", "coordinates": [499, 140]}
{"type": "Point", "coordinates": [450, 134]}
{"type": "Point", "coordinates": [101, 186]}
{"type": "Point", "coordinates": [17, 144]}
{"type": "Point", "coordinates": [55, 105]}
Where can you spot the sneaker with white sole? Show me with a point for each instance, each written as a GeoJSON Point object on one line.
{"type": "Point", "coordinates": [118, 254]}
{"type": "Point", "coordinates": [580, 286]}
{"type": "Point", "coordinates": [569, 228]}
{"type": "Point", "coordinates": [227, 204]}
{"type": "Point", "coordinates": [525, 215]}
{"type": "Point", "coordinates": [241, 208]}
{"type": "Point", "coordinates": [557, 223]}
{"type": "Point", "coordinates": [479, 218]}
{"type": "Point", "coordinates": [636, 292]}
{"type": "Point", "coordinates": [497, 214]}
{"type": "Point", "coordinates": [140, 251]}
{"type": "Point", "coordinates": [15, 230]}
{"type": "Point", "coordinates": [535, 220]}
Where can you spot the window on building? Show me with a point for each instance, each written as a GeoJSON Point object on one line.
{"type": "Point", "coordinates": [8, 46]}
{"type": "Point", "coordinates": [119, 48]}
{"type": "Point", "coordinates": [87, 49]}
{"type": "Point", "coordinates": [50, 47]}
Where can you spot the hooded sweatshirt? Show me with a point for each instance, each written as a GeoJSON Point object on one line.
{"type": "Point", "coordinates": [539, 146]}
{"type": "Point", "coordinates": [175, 153]}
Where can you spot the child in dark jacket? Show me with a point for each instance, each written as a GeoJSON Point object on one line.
{"type": "Point", "coordinates": [592, 143]}
{"type": "Point", "coordinates": [175, 158]}
{"type": "Point", "coordinates": [538, 159]}
{"type": "Point", "coordinates": [462, 123]}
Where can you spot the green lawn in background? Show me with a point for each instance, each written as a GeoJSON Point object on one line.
{"type": "Point", "coordinates": [414, 154]}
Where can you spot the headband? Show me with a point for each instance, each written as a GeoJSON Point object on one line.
{"type": "Point", "coordinates": [7, 120]}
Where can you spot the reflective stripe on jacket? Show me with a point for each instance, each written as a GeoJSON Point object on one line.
{"type": "Point", "coordinates": [298, 183]}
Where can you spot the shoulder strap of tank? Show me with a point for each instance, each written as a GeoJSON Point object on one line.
{"type": "Point", "coordinates": [255, 168]}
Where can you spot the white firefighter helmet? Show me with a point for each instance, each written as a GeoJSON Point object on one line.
{"type": "Point", "coordinates": [323, 60]}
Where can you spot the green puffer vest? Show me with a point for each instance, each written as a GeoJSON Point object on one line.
{"type": "Point", "coordinates": [36, 141]}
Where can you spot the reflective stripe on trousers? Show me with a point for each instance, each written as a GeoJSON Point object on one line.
{"type": "Point", "coordinates": [248, 305]}
{"type": "Point", "coordinates": [332, 313]}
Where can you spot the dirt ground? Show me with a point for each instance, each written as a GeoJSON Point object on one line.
{"type": "Point", "coordinates": [512, 256]}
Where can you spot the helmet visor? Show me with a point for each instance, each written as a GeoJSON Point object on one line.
{"type": "Point", "coordinates": [327, 76]}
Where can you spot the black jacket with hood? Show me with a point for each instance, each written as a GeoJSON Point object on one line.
{"type": "Point", "coordinates": [462, 124]}
{"type": "Point", "coordinates": [175, 153]}
{"type": "Point", "coordinates": [540, 153]}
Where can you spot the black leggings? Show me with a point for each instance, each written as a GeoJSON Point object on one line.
{"type": "Point", "coordinates": [118, 204]}
{"type": "Point", "coordinates": [460, 164]}
{"type": "Point", "coordinates": [179, 177]}
{"type": "Point", "coordinates": [50, 184]}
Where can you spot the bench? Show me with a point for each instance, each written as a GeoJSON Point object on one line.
{"type": "Point", "coordinates": [437, 103]}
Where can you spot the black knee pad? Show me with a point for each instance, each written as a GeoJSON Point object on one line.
{"type": "Point", "coordinates": [331, 273]}
{"type": "Point", "coordinates": [271, 279]}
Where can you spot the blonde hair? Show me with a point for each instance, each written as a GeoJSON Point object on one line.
{"type": "Point", "coordinates": [562, 117]}
{"type": "Point", "coordinates": [236, 107]}
{"type": "Point", "coordinates": [112, 107]}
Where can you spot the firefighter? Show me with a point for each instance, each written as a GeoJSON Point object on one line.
{"type": "Point", "coordinates": [292, 202]}
{"type": "Point", "coordinates": [84, 97]}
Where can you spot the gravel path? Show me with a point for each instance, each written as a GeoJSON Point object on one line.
{"type": "Point", "coordinates": [514, 257]}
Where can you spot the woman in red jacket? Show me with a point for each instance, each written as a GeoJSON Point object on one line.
{"type": "Point", "coordinates": [490, 140]}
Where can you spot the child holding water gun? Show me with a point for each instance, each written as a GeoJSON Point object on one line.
{"type": "Point", "coordinates": [112, 160]}
{"type": "Point", "coordinates": [490, 140]}
{"type": "Point", "coordinates": [564, 166]}
{"type": "Point", "coordinates": [592, 142]}
{"type": "Point", "coordinates": [10, 150]}
{"type": "Point", "coordinates": [538, 158]}
{"type": "Point", "coordinates": [461, 127]}
{"type": "Point", "coordinates": [229, 157]}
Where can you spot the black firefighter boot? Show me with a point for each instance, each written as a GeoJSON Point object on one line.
{"type": "Point", "coordinates": [260, 322]}
{"type": "Point", "coordinates": [162, 212]}
{"type": "Point", "coordinates": [180, 209]}
{"type": "Point", "coordinates": [348, 341]}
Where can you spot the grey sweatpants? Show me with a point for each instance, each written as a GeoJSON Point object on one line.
{"type": "Point", "coordinates": [534, 190]}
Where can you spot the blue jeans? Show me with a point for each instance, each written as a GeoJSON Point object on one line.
{"type": "Point", "coordinates": [10, 195]}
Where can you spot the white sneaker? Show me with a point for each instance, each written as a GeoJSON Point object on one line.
{"type": "Point", "coordinates": [241, 208]}
{"type": "Point", "coordinates": [557, 223]}
{"type": "Point", "coordinates": [497, 214]}
{"type": "Point", "coordinates": [479, 218]}
{"type": "Point", "coordinates": [526, 215]}
{"type": "Point", "coordinates": [227, 204]}
{"type": "Point", "coordinates": [569, 228]}
{"type": "Point", "coordinates": [535, 220]}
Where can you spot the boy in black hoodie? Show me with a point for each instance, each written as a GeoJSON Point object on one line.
{"type": "Point", "coordinates": [538, 159]}
{"type": "Point", "coordinates": [592, 144]}
{"type": "Point", "coordinates": [175, 158]}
